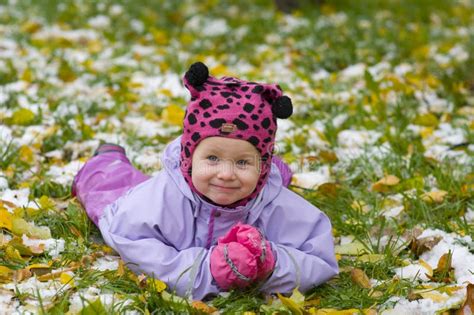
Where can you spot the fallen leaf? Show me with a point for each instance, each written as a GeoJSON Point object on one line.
{"type": "Point", "coordinates": [22, 274]}
{"type": "Point", "coordinates": [426, 266]}
{"type": "Point", "coordinates": [5, 274]}
{"type": "Point", "coordinates": [372, 258]}
{"type": "Point", "coordinates": [352, 249]}
{"type": "Point", "coordinates": [424, 244]}
{"type": "Point", "coordinates": [444, 272]}
{"type": "Point", "coordinates": [39, 269]}
{"type": "Point", "coordinates": [203, 307]}
{"type": "Point", "coordinates": [67, 278]}
{"type": "Point", "coordinates": [294, 303]}
{"type": "Point", "coordinates": [94, 308]}
{"type": "Point", "coordinates": [468, 307]}
{"type": "Point", "coordinates": [13, 254]}
{"type": "Point", "coordinates": [385, 184]}
{"type": "Point", "coordinates": [5, 219]}
{"type": "Point", "coordinates": [173, 115]}
{"type": "Point", "coordinates": [359, 277]}
{"type": "Point", "coordinates": [436, 196]}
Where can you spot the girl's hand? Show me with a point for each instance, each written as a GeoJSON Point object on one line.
{"type": "Point", "coordinates": [233, 265]}
{"type": "Point", "coordinates": [252, 239]}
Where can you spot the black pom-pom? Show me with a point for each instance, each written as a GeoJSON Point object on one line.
{"type": "Point", "coordinates": [282, 107]}
{"type": "Point", "coordinates": [197, 74]}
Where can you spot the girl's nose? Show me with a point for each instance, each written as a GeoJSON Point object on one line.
{"type": "Point", "coordinates": [226, 171]}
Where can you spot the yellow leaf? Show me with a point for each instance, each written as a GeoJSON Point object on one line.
{"type": "Point", "coordinates": [157, 284]}
{"type": "Point", "coordinates": [5, 219]}
{"type": "Point", "coordinates": [23, 117]}
{"type": "Point", "coordinates": [26, 154]}
{"type": "Point", "coordinates": [427, 266]}
{"type": "Point", "coordinates": [67, 278]}
{"type": "Point", "coordinates": [166, 92]}
{"type": "Point", "coordinates": [20, 227]}
{"type": "Point", "coordinates": [359, 277]}
{"type": "Point", "coordinates": [332, 311]}
{"type": "Point", "coordinates": [434, 296]}
{"type": "Point", "coordinates": [427, 120]}
{"type": "Point", "coordinates": [352, 249]}
{"type": "Point", "coordinates": [46, 203]}
{"type": "Point", "coordinates": [5, 274]}
{"type": "Point", "coordinates": [30, 27]}
{"type": "Point", "coordinates": [203, 307]}
{"type": "Point", "coordinates": [220, 70]}
{"type": "Point", "coordinates": [384, 184]}
{"type": "Point", "coordinates": [294, 303]}
{"type": "Point", "coordinates": [173, 115]}
{"type": "Point", "coordinates": [372, 258]}
{"type": "Point", "coordinates": [13, 254]}
{"type": "Point", "coordinates": [436, 196]}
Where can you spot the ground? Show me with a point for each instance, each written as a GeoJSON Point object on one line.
{"type": "Point", "coordinates": [382, 140]}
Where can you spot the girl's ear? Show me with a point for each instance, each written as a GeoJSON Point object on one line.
{"type": "Point", "coordinates": [195, 77]}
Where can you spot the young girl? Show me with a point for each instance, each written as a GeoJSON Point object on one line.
{"type": "Point", "coordinates": [219, 216]}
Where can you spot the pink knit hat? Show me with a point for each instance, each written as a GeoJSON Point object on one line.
{"type": "Point", "coordinates": [232, 108]}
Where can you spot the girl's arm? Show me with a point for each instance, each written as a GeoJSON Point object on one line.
{"type": "Point", "coordinates": [152, 228]}
{"type": "Point", "coordinates": [301, 238]}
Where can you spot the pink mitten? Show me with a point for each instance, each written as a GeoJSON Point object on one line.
{"type": "Point", "coordinates": [255, 242]}
{"type": "Point", "coordinates": [233, 265]}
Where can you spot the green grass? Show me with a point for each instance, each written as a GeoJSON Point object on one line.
{"type": "Point", "coordinates": [261, 44]}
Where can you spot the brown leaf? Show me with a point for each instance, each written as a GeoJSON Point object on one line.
{"type": "Point", "coordinates": [444, 272]}
{"type": "Point", "coordinates": [39, 269]}
{"type": "Point", "coordinates": [328, 189]}
{"type": "Point", "coordinates": [22, 274]}
{"type": "Point", "coordinates": [424, 244]}
{"type": "Point", "coordinates": [468, 307]}
{"type": "Point", "coordinates": [359, 277]}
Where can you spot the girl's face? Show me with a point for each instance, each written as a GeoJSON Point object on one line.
{"type": "Point", "coordinates": [225, 170]}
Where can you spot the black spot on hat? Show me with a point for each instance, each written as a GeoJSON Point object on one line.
{"type": "Point", "coordinates": [192, 119]}
{"type": "Point", "coordinates": [217, 123]}
{"type": "Point", "coordinates": [267, 140]}
{"type": "Point", "coordinates": [196, 136]}
{"type": "Point", "coordinates": [186, 152]}
{"type": "Point", "coordinates": [242, 116]}
{"type": "Point", "coordinates": [254, 117]}
{"type": "Point", "coordinates": [253, 140]}
{"type": "Point", "coordinates": [226, 94]}
{"type": "Point", "coordinates": [244, 88]}
{"type": "Point", "coordinates": [225, 106]}
{"type": "Point", "coordinates": [206, 115]}
{"type": "Point", "coordinates": [196, 111]}
{"type": "Point", "coordinates": [248, 107]}
{"type": "Point", "coordinates": [257, 89]}
{"type": "Point", "coordinates": [266, 123]}
{"type": "Point", "coordinates": [248, 96]}
{"type": "Point", "coordinates": [229, 100]}
{"type": "Point", "coordinates": [240, 124]}
{"type": "Point", "coordinates": [256, 127]}
{"type": "Point", "coordinates": [205, 103]}
{"type": "Point", "coordinates": [203, 124]}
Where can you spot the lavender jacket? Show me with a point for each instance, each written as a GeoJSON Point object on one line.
{"type": "Point", "coordinates": [162, 229]}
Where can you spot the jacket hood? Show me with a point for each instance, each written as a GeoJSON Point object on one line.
{"type": "Point", "coordinates": [171, 160]}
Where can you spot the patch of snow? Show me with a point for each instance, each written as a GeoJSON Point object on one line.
{"type": "Point", "coordinates": [53, 246]}
{"type": "Point", "coordinates": [64, 175]}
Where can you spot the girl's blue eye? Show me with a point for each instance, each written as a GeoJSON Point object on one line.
{"type": "Point", "coordinates": [212, 158]}
{"type": "Point", "coordinates": [242, 162]}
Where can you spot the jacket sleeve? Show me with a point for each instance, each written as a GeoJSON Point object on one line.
{"type": "Point", "coordinates": [301, 238]}
{"type": "Point", "coordinates": [152, 228]}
